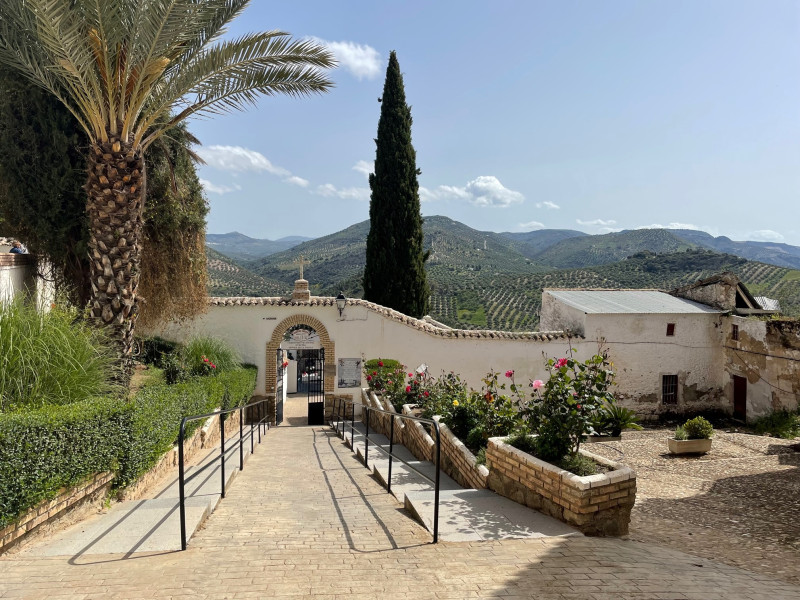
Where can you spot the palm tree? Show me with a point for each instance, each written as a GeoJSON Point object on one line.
{"type": "Point", "coordinates": [128, 71]}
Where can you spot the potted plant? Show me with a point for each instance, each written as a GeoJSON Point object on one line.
{"type": "Point", "coordinates": [609, 422]}
{"type": "Point", "coordinates": [693, 437]}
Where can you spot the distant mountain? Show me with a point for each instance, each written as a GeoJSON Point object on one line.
{"type": "Point", "coordinates": [774, 253]}
{"type": "Point", "coordinates": [488, 280]}
{"type": "Point", "coordinates": [337, 260]}
{"type": "Point", "coordinates": [537, 241]}
{"type": "Point", "coordinates": [593, 250]}
{"type": "Point", "coordinates": [237, 245]}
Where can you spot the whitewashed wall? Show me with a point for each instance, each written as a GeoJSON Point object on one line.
{"type": "Point", "coordinates": [363, 332]}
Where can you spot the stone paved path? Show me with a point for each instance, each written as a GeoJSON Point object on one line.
{"type": "Point", "coordinates": [306, 520]}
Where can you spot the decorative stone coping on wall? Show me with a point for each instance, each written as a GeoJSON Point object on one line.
{"type": "Point", "coordinates": [423, 325]}
{"type": "Point", "coordinates": [596, 505]}
{"type": "Point", "coordinates": [51, 510]}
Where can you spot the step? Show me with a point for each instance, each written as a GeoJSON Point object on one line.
{"type": "Point", "coordinates": [482, 515]}
{"type": "Point", "coordinates": [149, 525]}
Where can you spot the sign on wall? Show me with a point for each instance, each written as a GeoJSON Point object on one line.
{"type": "Point", "coordinates": [349, 375]}
{"type": "Point", "coordinates": [301, 339]}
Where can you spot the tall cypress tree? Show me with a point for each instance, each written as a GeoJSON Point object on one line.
{"type": "Point", "coordinates": [394, 275]}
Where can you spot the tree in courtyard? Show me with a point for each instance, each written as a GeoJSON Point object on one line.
{"type": "Point", "coordinates": [129, 71]}
{"type": "Point", "coordinates": [394, 275]}
{"type": "Point", "coordinates": [42, 201]}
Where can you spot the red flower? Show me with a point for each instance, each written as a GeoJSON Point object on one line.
{"type": "Point", "coordinates": [408, 388]}
{"type": "Point", "coordinates": [380, 363]}
{"type": "Point", "coordinates": [389, 382]}
{"type": "Point", "coordinates": [425, 393]}
{"type": "Point", "coordinates": [509, 374]}
{"type": "Point", "coordinates": [579, 406]}
{"type": "Point", "coordinates": [205, 360]}
{"type": "Point", "coordinates": [561, 362]}
{"type": "Point", "coordinates": [213, 366]}
{"type": "Point", "coordinates": [369, 377]}
{"type": "Point", "coordinates": [410, 374]}
{"type": "Point", "coordinates": [374, 372]}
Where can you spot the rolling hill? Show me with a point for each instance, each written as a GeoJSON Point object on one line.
{"type": "Point", "coordinates": [239, 246]}
{"type": "Point", "coordinates": [774, 253]}
{"type": "Point", "coordinates": [489, 280]}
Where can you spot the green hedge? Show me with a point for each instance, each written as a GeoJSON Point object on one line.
{"type": "Point", "coordinates": [45, 449]}
{"type": "Point", "coordinates": [157, 411]}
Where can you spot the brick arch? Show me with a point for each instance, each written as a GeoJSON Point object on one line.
{"type": "Point", "coordinates": [274, 343]}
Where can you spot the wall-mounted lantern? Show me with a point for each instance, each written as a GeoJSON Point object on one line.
{"type": "Point", "coordinates": [340, 303]}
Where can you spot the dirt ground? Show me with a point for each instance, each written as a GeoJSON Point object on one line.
{"type": "Point", "coordinates": [738, 504]}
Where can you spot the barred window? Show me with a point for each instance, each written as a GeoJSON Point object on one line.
{"type": "Point", "coordinates": [735, 333]}
{"type": "Point", "coordinates": [669, 389]}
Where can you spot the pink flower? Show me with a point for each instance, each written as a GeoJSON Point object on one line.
{"type": "Point", "coordinates": [410, 374]}
{"type": "Point", "coordinates": [561, 362]}
{"type": "Point", "coordinates": [538, 384]}
{"type": "Point", "coordinates": [509, 374]}
{"type": "Point", "coordinates": [213, 366]}
{"type": "Point", "coordinates": [205, 360]}
{"type": "Point", "coordinates": [389, 382]}
{"type": "Point", "coordinates": [408, 388]}
{"type": "Point", "coordinates": [380, 363]}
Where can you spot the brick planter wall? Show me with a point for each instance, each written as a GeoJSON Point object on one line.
{"type": "Point", "coordinates": [51, 510]}
{"type": "Point", "coordinates": [596, 505]}
{"type": "Point", "coordinates": [459, 463]}
{"type": "Point", "coordinates": [416, 438]}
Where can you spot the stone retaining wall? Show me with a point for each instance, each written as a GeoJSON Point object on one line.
{"type": "Point", "coordinates": [49, 511]}
{"type": "Point", "coordinates": [459, 463]}
{"type": "Point", "coordinates": [596, 505]}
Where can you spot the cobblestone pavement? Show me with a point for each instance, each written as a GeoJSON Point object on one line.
{"type": "Point", "coordinates": [306, 520]}
{"type": "Point", "coordinates": [738, 504]}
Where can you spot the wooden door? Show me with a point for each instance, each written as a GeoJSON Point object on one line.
{"type": "Point", "coordinates": [739, 398]}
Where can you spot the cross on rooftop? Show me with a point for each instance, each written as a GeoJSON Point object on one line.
{"type": "Point", "coordinates": [301, 262]}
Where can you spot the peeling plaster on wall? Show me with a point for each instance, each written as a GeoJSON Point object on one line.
{"type": "Point", "coordinates": [767, 354]}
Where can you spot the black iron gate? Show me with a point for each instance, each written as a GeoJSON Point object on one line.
{"type": "Point", "coordinates": [310, 380]}
{"type": "Point", "coordinates": [280, 370]}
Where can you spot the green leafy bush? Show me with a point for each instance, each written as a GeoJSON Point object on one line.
{"type": "Point", "coordinates": [214, 350]}
{"type": "Point", "coordinates": [698, 429]}
{"type": "Point", "coordinates": [51, 358]}
{"type": "Point", "coordinates": [780, 423]}
{"type": "Point", "coordinates": [386, 376]}
{"type": "Point", "coordinates": [154, 349]}
{"type": "Point", "coordinates": [44, 449]}
{"type": "Point", "coordinates": [156, 412]}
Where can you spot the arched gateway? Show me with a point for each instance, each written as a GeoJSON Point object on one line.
{"type": "Point", "coordinates": [272, 367]}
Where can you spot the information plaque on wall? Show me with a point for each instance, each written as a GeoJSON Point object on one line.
{"type": "Point", "coordinates": [349, 375]}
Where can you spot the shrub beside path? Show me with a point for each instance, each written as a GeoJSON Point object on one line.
{"type": "Point", "coordinates": [305, 519]}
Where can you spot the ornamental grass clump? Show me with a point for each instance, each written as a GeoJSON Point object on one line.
{"type": "Point", "coordinates": [51, 357]}
{"type": "Point", "coordinates": [209, 355]}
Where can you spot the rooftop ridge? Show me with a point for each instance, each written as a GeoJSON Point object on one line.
{"type": "Point", "coordinates": [390, 313]}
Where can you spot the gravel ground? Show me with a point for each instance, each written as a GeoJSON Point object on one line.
{"type": "Point", "coordinates": [738, 504]}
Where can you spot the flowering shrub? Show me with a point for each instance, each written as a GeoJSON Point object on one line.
{"type": "Point", "coordinates": [386, 376]}
{"type": "Point", "coordinates": [207, 367]}
{"type": "Point", "coordinates": [561, 411]}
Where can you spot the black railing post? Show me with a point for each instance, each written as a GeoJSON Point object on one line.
{"type": "Point", "coordinates": [366, 442]}
{"type": "Point", "coordinates": [252, 435]}
{"type": "Point", "coordinates": [241, 440]}
{"type": "Point", "coordinates": [181, 477]}
{"type": "Point", "coordinates": [260, 420]}
{"type": "Point", "coordinates": [222, 454]}
{"type": "Point", "coordinates": [353, 425]}
{"type": "Point", "coordinates": [391, 455]}
{"type": "Point", "coordinates": [436, 486]}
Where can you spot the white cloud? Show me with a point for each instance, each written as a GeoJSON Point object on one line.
{"type": "Point", "coordinates": [596, 222]}
{"type": "Point", "coordinates": [765, 235]}
{"type": "Point", "coordinates": [329, 191]}
{"type": "Point", "coordinates": [547, 204]}
{"type": "Point", "coordinates": [362, 61]}
{"type": "Point", "coordinates": [299, 181]}
{"type": "Point", "coordinates": [364, 167]}
{"type": "Point", "coordinates": [531, 225]}
{"type": "Point", "coordinates": [213, 188]}
{"type": "Point", "coordinates": [239, 160]}
{"type": "Point", "coordinates": [485, 190]}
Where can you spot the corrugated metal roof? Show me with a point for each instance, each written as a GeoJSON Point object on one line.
{"type": "Point", "coordinates": [628, 301]}
{"type": "Point", "coordinates": [768, 303]}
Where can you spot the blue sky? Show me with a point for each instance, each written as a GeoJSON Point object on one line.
{"type": "Point", "coordinates": [586, 115]}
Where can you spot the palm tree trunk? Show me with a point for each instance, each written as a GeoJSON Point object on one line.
{"type": "Point", "coordinates": [115, 201]}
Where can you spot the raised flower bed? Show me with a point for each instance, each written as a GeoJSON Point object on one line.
{"type": "Point", "coordinates": [596, 504]}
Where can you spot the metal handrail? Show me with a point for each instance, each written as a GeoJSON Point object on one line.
{"type": "Point", "coordinates": [182, 481]}
{"type": "Point", "coordinates": [340, 402]}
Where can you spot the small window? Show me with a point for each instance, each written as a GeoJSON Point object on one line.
{"type": "Point", "coordinates": [669, 389]}
{"type": "Point", "coordinates": [735, 333]}
{"type": "Point", "coordinates": [670, 329]}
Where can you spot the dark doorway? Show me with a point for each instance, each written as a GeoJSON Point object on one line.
{"type": "Point", "coordinates": [310, 380]}
{"type": "Point", "coordinates": [739, 398]}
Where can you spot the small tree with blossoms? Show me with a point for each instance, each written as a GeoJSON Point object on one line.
{"type": "Point", "coordinates": [561, 410]}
